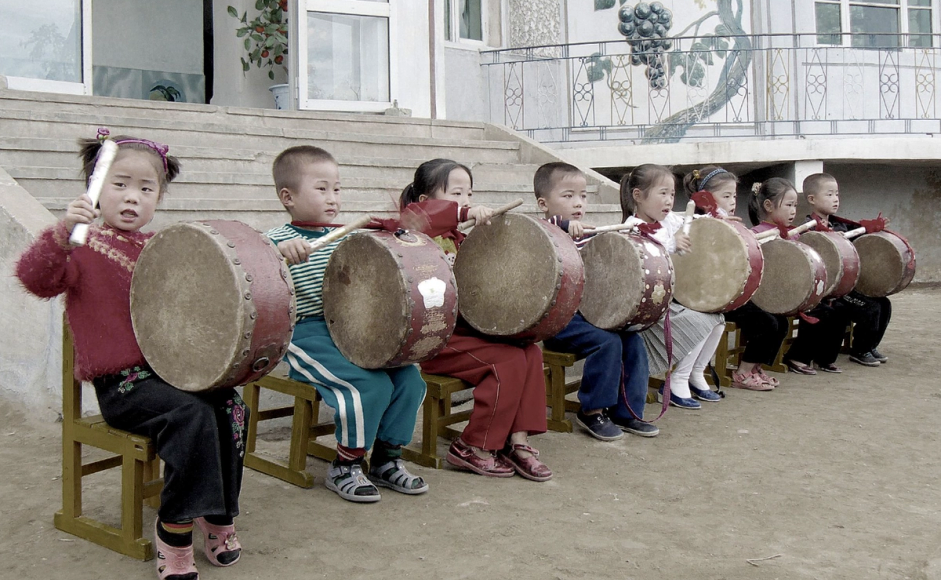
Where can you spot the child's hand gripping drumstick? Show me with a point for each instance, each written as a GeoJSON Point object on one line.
{"type": "Point", "coordinates": [611, 228]}
{"type": "Point", "coordinates": [297, 251]}
{"type": "Point", "coordinates": [854, 233]}
{"type": "Point", "coordinates": [97, 180]}
{"type": "Point", "coordinates": [687, 220]}
{"type": "Point", "coordinates": [801, 229]}
{"type": "Point", "coordinates": [496, 212]}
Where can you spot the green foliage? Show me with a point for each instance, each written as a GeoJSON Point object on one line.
{"type": "Point", "coordinates": [266, 36]}
{"type": "Point", "coordinates": [701, 54]}
{"type": "Point", "coordinates": [605, 4]}
{"type": "Point", "coordinates": [597, 67]}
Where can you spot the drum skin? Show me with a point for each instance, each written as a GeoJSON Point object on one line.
{"type": "Point", "coordinates": [794, 279]}
{"type": "Point", "coordinates": [887, 264]}
{"type": "Point", "coordinates": [389, 299]}
{"type": "Point", "coordinates": [722, 271]}
{"type": "Point", "coordinates": [519, 279]}
{"type": "Point", "coordinates": [628, 281]}
{"type": "Point", "coordinates": [212, 304]}
{"type": "Point", "coordinates": [839, 256]}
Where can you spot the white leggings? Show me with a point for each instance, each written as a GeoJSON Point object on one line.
{"type": "Point", "coordinates": [695, 363]}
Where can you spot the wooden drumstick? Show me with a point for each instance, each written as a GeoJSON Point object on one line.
{"type": "Point", "coordinates": [338, 233]}
{"type": "Point", "coordinates": [853, 233]}
{"type": "Point", "coordinates": [688, 219]}
{"type": "Point", "coordinates": [611, 228]}
{"type": "Point", "coordinates": [768, 234]}
{"type": "Point", "coordinates": [97, 180]}
{"type": "Point", "coordinates": [802, 228]}
{"type": "Point", "coordinates": [496, 212]}
{"type": "Point", "coordinates": [768, 238]}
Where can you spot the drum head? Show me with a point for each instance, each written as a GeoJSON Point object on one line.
{"type": "Point", "coordinates": [883, 260]}
{"type": "Point", "coordinates": [365, 301]}
{"type": "Point", "coordinates": [188, 307]}
{"type": "Point", "coordinates": [614, 280]}
{"type": "Point", "coordinates": [826, 246]}
{"type": "Point", "coordinates": [495, 262]}
{"type": "Point", "coordinates": [788, 279]}
{"type": "Point", "coordinates": [715, 271]}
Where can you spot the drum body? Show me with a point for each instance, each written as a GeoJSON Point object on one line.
{"type": "Point", "coordinates": [628, 281]}
{"type": "Point", "coordinates": [519, 278]}
{"type": "Point", "coordinates": [887, 264]}
{"type": "Point", "coordinates": [840, 258]}
{"type": "Point", "coordinates": [212, 304]}
{"type": "Point", "coordinates": [722, 271]}
{"type": "Point", "coordinates": [794, 279]}
{"type": "Point", "coordinates": [389, 299]}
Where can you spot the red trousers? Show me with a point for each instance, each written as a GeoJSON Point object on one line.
{"type": "Point", "coordinates": [510, 387]}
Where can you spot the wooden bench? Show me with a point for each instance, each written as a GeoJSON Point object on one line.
{"type": "Point", "coordinates": [437, 419]}
{"type": "Point", "coordinates": [134, 454]}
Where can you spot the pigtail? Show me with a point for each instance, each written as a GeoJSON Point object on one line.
{"type": "Point", "coordinates": [772, 190]}
{"type": "Point", "coordinates": [627, 200]}
{"type": "Point", "coordinates": [754, 204]}
{"type": "Point", "coordinates": [408, 196]}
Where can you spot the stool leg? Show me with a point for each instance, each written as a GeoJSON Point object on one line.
{"type": "Point", "coordinates": [555, 380]}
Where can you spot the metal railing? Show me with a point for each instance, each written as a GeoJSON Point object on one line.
{"type": "Point", "coordinates": [711, 87]}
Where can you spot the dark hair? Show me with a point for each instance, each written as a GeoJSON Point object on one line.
{"type": "Point", "coordinates": [89, 149]}
{"type": "Point", "coordinates": [643, 178]}
{"type": "Point", "coordinates": [772, 190]}
{"type": "Point", "coordinates": [430, 177]}
{"type": "Point", "coordinates": [706, 178]}
{"type": "Point", "coordinates": [286, 169]}
{"type": "Point", "coordinates": [813, 183]}
{"type": "Point", "coordinates": [544, 179]}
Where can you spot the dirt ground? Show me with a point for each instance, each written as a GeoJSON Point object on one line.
{"type": "Point", "coordinates": [827, 477]}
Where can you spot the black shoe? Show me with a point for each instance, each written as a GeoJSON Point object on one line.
{"type": "Point", "coordinates": [599, 426]}
{"type": "Point", "coordinates": [636, 427]}
{"type": "Point", "coordinates": [865, 359]}
{"type": "Point", "coordinates": [879, 356]}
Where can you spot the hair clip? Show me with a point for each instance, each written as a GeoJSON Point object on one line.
{"type": "Point", "coordinates": [103, 133]}
{"type": "Point", "coordinates": [695, 174]}
{"type": "Point", "coordinates": [756, 187]}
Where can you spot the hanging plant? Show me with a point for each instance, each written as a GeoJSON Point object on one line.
{"type": "Point", "coordinates": [266, 36]}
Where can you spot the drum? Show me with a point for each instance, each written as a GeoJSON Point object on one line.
{"type": "Point", "coordinates": [519, 278]}
{"type": "Point", "coordinates": [887, 264]}
{"type": "Point", "coordinates": [794, 279]}
{"type": "Point", "coordinates": [723, 269]}
{"type": "Point", "coordinates": [628, 281]}
{"type": "Point", "coordinates": [389, 299]}
{"type": "Point", "coordinates": [840, 258]}
{"type": "Point", "coordinates": [212, 304]}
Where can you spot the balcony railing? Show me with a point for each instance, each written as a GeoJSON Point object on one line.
{"type": "Point", "coordinates": [715, 87]}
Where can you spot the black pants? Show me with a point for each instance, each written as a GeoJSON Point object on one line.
{"type": "Point", "coordinates": [820, 342]}
{"type": "Point", "coordinates": [199, 436]}
{"type": "Point", "coordinates": [871, 316]}
{"type": "Point", "coordinates": [762, 332]}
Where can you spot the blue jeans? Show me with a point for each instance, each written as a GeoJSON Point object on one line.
{"type": "Point", "coordinates": [611, 359]}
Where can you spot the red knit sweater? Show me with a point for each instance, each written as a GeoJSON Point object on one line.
{"type": "Point", "coordinates": [96, 280]}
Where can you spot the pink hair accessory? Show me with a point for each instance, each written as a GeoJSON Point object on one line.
{"type": "Point", "coordinates": [159, 148]}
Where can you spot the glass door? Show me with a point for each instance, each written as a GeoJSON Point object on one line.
{"type": "Point", "coordinates": [47, 49]}
{"type": "Point", "coordinates": [345, 55]}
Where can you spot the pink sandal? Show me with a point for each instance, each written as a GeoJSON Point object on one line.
{"type": "Point", "coordinates": [220, 544]}
{"type": "Point", "coordinates": [767, 379]}
{"type": "Point", "coordinates": [173, 561]}
{"type": "Point", "coordinates": [751, 382]}
{"type": "Point", "coordinates": [529, 467]}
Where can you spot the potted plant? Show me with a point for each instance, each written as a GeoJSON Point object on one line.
{"type": "Point", "coordinates": [266, 41]}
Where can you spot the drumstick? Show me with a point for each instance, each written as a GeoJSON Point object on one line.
{"type": "Point", "coordinates": [766, 239]}
{"type": "Point", "coordinates": [853, 233]}
{"type": "Point", "coordinates": [95, 183]}
{"type": "Point", "coordinates": [611, 228]}
{"type": "Point", "coordinates": [338, 233]}
{"type": "Point", "coordinates": [802, 228]}
{"type": "Point", "coordinates": [688, 219]}
{"type": "Point", "coordinates": [770, 234]}
{"type": "Point", "coordinates": [496, 212]}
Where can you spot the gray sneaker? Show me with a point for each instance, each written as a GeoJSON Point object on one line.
{"type": "Point", "coordinates": [865, 359]}
{"type": "Point", "coordinates": [636, 427]}
{"type": "Point", "coordinates": [599, 426]}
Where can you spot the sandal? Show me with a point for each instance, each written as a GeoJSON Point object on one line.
{"type": "Point", "coordinates": [349, 482]}
{"type": "Point", "coordinates": [529, 467]}
{"type": "Point", "coordinates": [750, 382]}
{"type": "Point", "coordinates": [220, 544]}
{"type": "Point", "coordinates": [394, 476]}
{"type": "Point", "coordinates": [831, 368]}
{"type": "Point", "coordinates": [799, 368]}
{"type": "Point", "coordinates": [174, 561]}
{"type": "Point", "coordinates": [767, 379]}
{"type": "Point", "coordinates": [461, 455]}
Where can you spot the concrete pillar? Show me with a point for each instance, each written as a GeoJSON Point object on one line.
{"type": "Point", "coordinates": [801, 169]}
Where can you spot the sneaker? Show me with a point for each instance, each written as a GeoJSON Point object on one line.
{"type": "Point", "coordinates": [704, 394]}
{"type": "Point", "coordinates": [599, 426]}
{"type": "Point", "coordinates": [865, 359]}
{"type": "Point", "coordinates": [636, 426]}
{"type": "Point", "coordinates": [680, 402]}
{"type": "Point", "coordinates": [350, 483]}
{"type": "Point", "coordinates": [879, 356]}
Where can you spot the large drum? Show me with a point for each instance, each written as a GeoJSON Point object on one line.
{"type": "Point", "coordinates": [628, 281]}
{"type": "Point", "coordinates": [389, 299]}
{"type": "Point", "coordinates": [887, 264]}
{"type": "Point", "coordinates": [723, 269]}
{"type": "Point", "coordinates": [794, 279]}
{"type": "Point", "coordinates": [840, 258]}
{"type": "Point", "coordinates": [212, 305]}
{"type": "Point", "coordinates": [519, 278]}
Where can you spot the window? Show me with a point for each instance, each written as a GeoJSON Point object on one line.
{"type": "Point", "coordinates": [463, 20]}
{"type": "Point", "coordinates": [874, 23]}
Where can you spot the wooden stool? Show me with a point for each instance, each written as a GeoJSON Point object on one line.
{"type": "Point", "coordinates": [557, 389]}
{"type": "Point", "coordinates": [437, 418]}
{"type": "Point", "coordinates": [134, 454]}
{"type": "Point", "coordinates": [304, 429]}
{"type": "Point", "coordinates": [778, 366]}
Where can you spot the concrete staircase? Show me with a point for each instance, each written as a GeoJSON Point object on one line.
{"type": "Point", "coordinates": [226, 153]}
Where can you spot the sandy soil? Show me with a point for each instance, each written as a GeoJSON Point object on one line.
{"type": "Point", "coordinates": [833, 476]}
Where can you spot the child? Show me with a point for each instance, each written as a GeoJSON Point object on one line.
{"type": "Point", "coordinates": [510, 388]}
{"type": "Point", "coordinates": [762, 332]}
{"type": "Point", "coordinates": [370, 406]}
{"type": "Point", "coordinates": [871, 315]}
{"type": "Point", "coordinates": [647, 195]}
{"type": "Point", "coordinates": [775, 205]}
{"type": "Point", "coordinates": [198, 435]}
{"type": "Point", "coordinates": [615, 362]}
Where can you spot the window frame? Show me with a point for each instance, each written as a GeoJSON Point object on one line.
{"type": "Point", "coordinates": [903, 9]}
{"type": "Point", "coordinates": [453, 25]}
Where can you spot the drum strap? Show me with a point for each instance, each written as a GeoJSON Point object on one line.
{"type": "Point", "coordinates": [668, 339]}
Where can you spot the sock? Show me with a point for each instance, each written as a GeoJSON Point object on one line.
{"type": "Point", "coordinates": [178, 535]}
{"type": "Point", "coordinates": [385, 452]}
{"type": "Point", "coordinates": [349, 455]}
{"type": "Point", "coordinates": [220, 520]}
